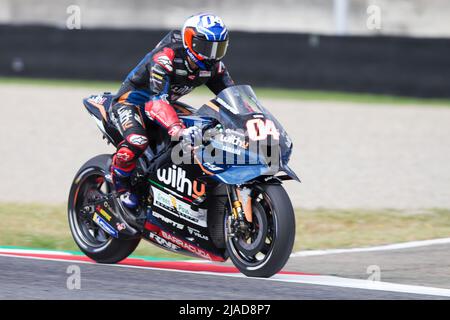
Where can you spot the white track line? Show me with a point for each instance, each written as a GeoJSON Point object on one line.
{"type": "Point", "coordinates": [301, 279]}
{"type": "Point", "coordinates": [35, 251]}
{"type": "Point", "coordinates": [388, 247]}
{"type": "Point", "coordinates": [364, 284]}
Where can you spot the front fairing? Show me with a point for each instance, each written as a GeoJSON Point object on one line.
{"type": "Point", "coordinates": [238, 110]}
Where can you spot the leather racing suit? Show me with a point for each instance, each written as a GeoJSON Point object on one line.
{"type": "Point", "coordinates": [161, 77]}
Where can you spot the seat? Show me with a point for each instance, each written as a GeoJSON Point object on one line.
{"type": "Point", "coordinates": [99, 105]}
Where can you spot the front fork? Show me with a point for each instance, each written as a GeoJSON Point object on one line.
{"type": "Point", "coordinates": [241, 211]}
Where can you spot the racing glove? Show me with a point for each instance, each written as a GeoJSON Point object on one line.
{"type": "Point", "coordinates": [192, 136]}
{"type": "Point", "coordinates": [162, 112]}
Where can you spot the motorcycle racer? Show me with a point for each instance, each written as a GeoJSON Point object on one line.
{"type": "Point", "coordinates": [179, 63]}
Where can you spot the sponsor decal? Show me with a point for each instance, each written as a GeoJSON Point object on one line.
{"type": "Point", "coordinates": [151, 227]}
{"type": "Point", "coordinates": [104, 225]}
{"type": "Point", "coordinates": [103, 213]}
{"type": "Point", "coordinates": [137, 139]}
{"type": "Point", "coordinates": [174, 202]}
{"type": "Point", "coordinates": [163, 242]}
{"type": "Point", "coordinates": [194, 58]}
{"type": "Point", "coordinates": [210, 20]}
{"type": "Point", "coordinates": [167, 220]}
{"type": "Point", "coordinates": [197, 233]}
{"type": "Point", "coordinates": [99, 99]}
{"type": "Point", "coordinates": [181, 90]}
{"type": "Point", "coordinates": [191, 77]}
{"type": "Point", "coordinates": [211, 166]}
{"type": "Point", "coordinates": [178, 208]}
{"type": "Point", "coordinates": [125, 116]}
{"type": "Point", "coordinates": [181, 72]}
{"type": "Point", "coordinates": [234, 140]}
{"type": "Point", "coordinates": [186, 64]}
{"type": "Point", "coordinates": [165, 62]}
{"type": "Point", "coordinates": [157, 69]}
{"type": "Point", "coordinates": [157, 76]}
{"type": "Point", "coordinates": [198, 193]}
{"type": "Point", "coordinates": [226, 148]}
{"type": "Point", "coordinates": [185, 245]}
{"type": "Point", "coordinates": [176, 178]}
{"type": "Point", "coordinates": [121, 226]}
{"type": "Point", "coordinates": [238, 132]}
{"type": "Point", "coordinates": [123, 156]}
{"type": "Point", "coordinates": [259, 129]}
{"type": "Point", "coordinates": [204, 73]}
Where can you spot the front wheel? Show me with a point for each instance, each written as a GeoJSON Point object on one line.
{"type": "Point", "coordinates": [265, 250]}
{"type": "Point", "coordinates": [88, 186]}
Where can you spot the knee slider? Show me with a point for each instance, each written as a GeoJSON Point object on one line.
{"type": "Point", "coordinates": [138, 141]}
{"type": "Point", "coordinates": [124, 158]}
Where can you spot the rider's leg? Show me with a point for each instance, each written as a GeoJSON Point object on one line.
{"type": "Point", "coordinates": [128, 120]}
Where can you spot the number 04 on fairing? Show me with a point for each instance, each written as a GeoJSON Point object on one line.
{"type": "Point", "coordinates": [223, 199]}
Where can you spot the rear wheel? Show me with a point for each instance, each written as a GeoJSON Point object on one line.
{"type": "Point", "coordinates": [88, 186]}
{"type": "Point", "coordinates": [266, 248]}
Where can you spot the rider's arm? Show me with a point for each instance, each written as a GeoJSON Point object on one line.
{"type": "Point", "coordinates": [158, 108]}
{"type": "Point", "coordinates": [221, 79]}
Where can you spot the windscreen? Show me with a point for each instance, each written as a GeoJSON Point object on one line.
{"type": "Point", "coordinates": [240, 100]}
{"type": "Point", "coordinates": [241, 111]}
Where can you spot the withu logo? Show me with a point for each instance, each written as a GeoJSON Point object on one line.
{"type": "Point", "coordinates": [176, 178]}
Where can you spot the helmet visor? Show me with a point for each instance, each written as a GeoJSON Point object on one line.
{"type": "Point", "coordinates": [214, 50]}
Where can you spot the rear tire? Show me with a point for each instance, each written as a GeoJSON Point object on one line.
{"type": "Point", "coordinates": [92, 240]}
{"type": "Point", "coordinates": [275, 242]}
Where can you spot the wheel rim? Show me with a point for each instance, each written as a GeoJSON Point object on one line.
{"type": "Point", "coordinates": [92, 185]}
{"type": "Point", "coordinates": [255, 251]}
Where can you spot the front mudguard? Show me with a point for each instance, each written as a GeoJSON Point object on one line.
{"type": "Point", "coordinates": [236, 175]}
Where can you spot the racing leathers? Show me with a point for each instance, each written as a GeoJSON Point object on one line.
{"type": "Point", "coordinates": [163, 76]}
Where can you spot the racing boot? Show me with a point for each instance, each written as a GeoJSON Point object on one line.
{"type": "Point", "coordinates": [121, 177]}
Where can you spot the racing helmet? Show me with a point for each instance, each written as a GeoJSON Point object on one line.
{"type": "Point", "coordinates": [205, 38]}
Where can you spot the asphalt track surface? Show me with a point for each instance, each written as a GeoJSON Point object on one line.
{"type": "Point", "coordinates": [421, 266]}
{"type": "Point", "coordinates": [33, 279]}
{"type": "Point", "coordinates": [45, 274]}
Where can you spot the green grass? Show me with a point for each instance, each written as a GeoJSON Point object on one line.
{"type": "Point", "coordinates": [46, 226]}
{"type": "Point", "coordinates": [327, 228]}
{"type": "Point", "coordinates": [271, 93]}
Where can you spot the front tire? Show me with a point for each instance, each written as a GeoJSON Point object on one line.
{"type": "Point", "coordinates": [266, 252]}
{"type": "Point", "coordinates": [90, 182]}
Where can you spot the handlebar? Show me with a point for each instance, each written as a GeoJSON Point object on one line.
{"type": "Point", "coordinates": [209, 134]}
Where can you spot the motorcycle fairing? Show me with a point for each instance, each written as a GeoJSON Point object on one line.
{"type": "Point", "coordinates": [233, 108]}
{"type": "Point", "coordinates": [174, 189]}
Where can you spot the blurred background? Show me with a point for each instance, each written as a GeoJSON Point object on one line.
{"type": "Point", "coordinates": [362, 87]}
{"type": "Point", "coordinates": [372, 46]}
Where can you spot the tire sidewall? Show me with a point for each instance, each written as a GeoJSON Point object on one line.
{"type": "Point", "coordinates": [284, 224]}
{"type": "Point", "coordinates": [112, 251]}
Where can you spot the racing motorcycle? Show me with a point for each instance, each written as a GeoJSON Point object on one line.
{"type": "Point", "coordinates": [222, 198]}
